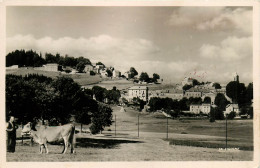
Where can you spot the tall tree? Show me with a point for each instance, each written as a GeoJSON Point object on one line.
{"type": "Point", "coordinates": [155, 77]}
{"type": "Point", "coordinates": [133, 72]}
{"type": "Point", "coordinates": [80, 67]}
{"type": "Point", "coordinates": [101, 118]}
{"type": "Point", "coordinates": [236, 91]}
{"type": "Point", "coordinates": [221, 101]}
{"type": "Point", "coordinates": [144, 77]}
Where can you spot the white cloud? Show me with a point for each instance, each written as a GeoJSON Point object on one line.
{"type": "Point", "coordinates": [230, 49]}
{"type": "Point", "coordinates": [213, 18]}
{"type": "Point", "coordinates": [109, 50]}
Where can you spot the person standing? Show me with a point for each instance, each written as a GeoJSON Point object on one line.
{"type": "Point", "coordinates": [11, 135]}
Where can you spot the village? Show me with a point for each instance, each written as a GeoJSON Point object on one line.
{"type": "Point", "coordinates": [140, 89]}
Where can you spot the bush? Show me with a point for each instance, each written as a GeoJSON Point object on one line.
{"type": "Point", "coordinates": [68, 71]}
{"type": "Point", "coordinates": [92, 73]}
{"type": "Point", "coordinates": [231, 115]}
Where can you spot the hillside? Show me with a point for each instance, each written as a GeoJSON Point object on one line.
{"type": "Point", "coordinates": [81, 79]}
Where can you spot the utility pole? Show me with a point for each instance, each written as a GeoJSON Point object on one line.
{"type": "Point", "coordinates": [167, 129]}
{"type": "Point", "coordinates": [138, 124]}
{"type": "Point", "coordinates": [226, 130]}
{"type": "Point", "coordinates": [115, 125]}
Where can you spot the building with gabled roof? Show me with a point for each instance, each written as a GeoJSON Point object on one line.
{"type": "Point", "coordinates": [232, 107]}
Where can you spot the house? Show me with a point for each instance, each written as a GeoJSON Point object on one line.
{"type": "Point", "coordinates": [177, 94]}
{"type": "Point", "coordinates": [138, 92]}
{"type": "Point", "coordinates": [103, 73]}
{"type": "Point", "coordinates": [232, 107]}
{"type": "Point", "coordinates": [52, 67]}
{"type": "Point", "coordinates": [195, 108]}
{"type": "Point", "coordinates": [88, 68]}
{"type": "Point", "coordinates": [192, 93]}
{"type": "Point", "coordinates": [187, 81]}
{"type": "Point", "coordinates": [200, 108]}
{"type": "Point", "coordinates": [116, 74]}
{"type": "Point", "coordinates": [127, 75]}
{"type": "Point", "coordinates": [205, 108]}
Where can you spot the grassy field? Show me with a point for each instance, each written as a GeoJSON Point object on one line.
{"type": "Point", "coordinates": [188, 141]}
{"type": "Point", "coordinates": [82, 79]}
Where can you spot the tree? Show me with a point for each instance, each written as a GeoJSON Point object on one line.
{"type": "Point", "coordinates": [133, 72]}
{"type": "Point", "coordinates": [109, 73]}
{"type": "Point", "coordinates": [89, 106]}
{"type": "Point", "coordinates": [101, 118]}
{"type": "Point", "coordinates": [144, 77]}
{"type": "Point", "coordinates": [92, 73]}
{"type": "Point", "coordinates": [216, 114]}
{"type": "Point", "coordinates": [207, 100]}
{"type": "Point", "coordinates": [100, 63]}
{"type": "Point", "coordinates": [231, 115]}
{"type": "Point", "coordinates": [217, 86]}
{"type": "Point", "coordinates": [155, 77]}
{"type": "Point", "coordinates": [80, 66]}
{"type": "Point", "coordinates": [186, 87]}
{"type": "Point", "coordinates": [195, 82]}
{"type": "Point", "coordinates": [236, 91]}
{"type": "Point", "coordinates": [221, 101]}
{"type": "Point", "coordinates": [99, 93]}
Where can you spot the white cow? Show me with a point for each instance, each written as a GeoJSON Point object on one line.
{"type": "Point", "coordinates": [46, 134]}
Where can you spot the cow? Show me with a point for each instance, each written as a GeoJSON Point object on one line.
{"type": "Point", "coordinates": [46, 134]}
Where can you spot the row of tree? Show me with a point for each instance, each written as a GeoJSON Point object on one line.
{"type": "Point", "coordinates": [37, 96]}
{"type": "Point", "coordinates": [31, 58]}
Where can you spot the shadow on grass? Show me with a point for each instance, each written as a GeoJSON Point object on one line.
{"type": "Point", "coordinates": [101, 143]}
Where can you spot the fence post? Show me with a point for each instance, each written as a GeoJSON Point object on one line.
{"type": "Point", "coordinates": [22, 135]}
{"type": "Point", "coordinates": [167, 129]}
{"type": "Point", "coordinates": [226, 130]}
{"type": "Point", "coordinates": [138, 124]}
{"type": "Point", "coordinates": [115, 125]}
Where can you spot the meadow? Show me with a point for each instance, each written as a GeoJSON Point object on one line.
{"type": "Point", "coordinates": [188, 140]}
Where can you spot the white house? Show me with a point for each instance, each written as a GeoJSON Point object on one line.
{"type": "Point", "coordinates": [138, 92]}
{"type": "Point", "coordinates": [195, 108]}
{"type": "Point", "coordinates": [103, 73]}
{"type": "Point", "coordinates": [205, 108]}
{"type": "Point", "coordinates": [232, 107]}
{"type": "Point", "coordinates": [116, 74]}
{"type": "Point", "coordinates": [88, 68]}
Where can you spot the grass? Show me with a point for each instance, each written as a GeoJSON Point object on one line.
{"type": "Point", "coordinates": [81, 79]}
{"type": "Point", "coordinates": [192, 139]}
{"type": "Point", "coordinates": [209, 144]}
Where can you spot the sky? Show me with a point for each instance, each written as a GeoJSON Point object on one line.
{"type": "Point", "coordinates": [206, 43]}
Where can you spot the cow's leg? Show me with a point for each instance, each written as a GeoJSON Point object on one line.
{"type": "Point", "coordinates": [41, 148]}
{"type": "Point", "coordinates": [46, 148]}
{"type": "Point", "coordinates": [65, 145]}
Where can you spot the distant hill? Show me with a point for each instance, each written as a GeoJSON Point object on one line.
{"type": "Point", "coordinates": [81, 79]}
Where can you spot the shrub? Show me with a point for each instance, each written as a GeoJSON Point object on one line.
{"type": "Point", "coordinates": [231, 115]}
{"type": "Point", "coordinates": [92, 73]}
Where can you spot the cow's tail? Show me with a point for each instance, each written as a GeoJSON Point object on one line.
{"type": "Point", "coordinates": [73, 139]}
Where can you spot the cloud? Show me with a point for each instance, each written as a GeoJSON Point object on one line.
{"type": "Point", "coordinates": [110, 50]}
{"type": "Point", "coordinates": [213, 18]}
{"type": "Point", "coordinates": [230, 49]}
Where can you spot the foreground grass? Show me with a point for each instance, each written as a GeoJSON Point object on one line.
{"type": "Point", "coordinates": [217, 144]}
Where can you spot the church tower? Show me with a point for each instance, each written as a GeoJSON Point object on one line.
{"type": "Point", "coordinates": [236, 78]}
